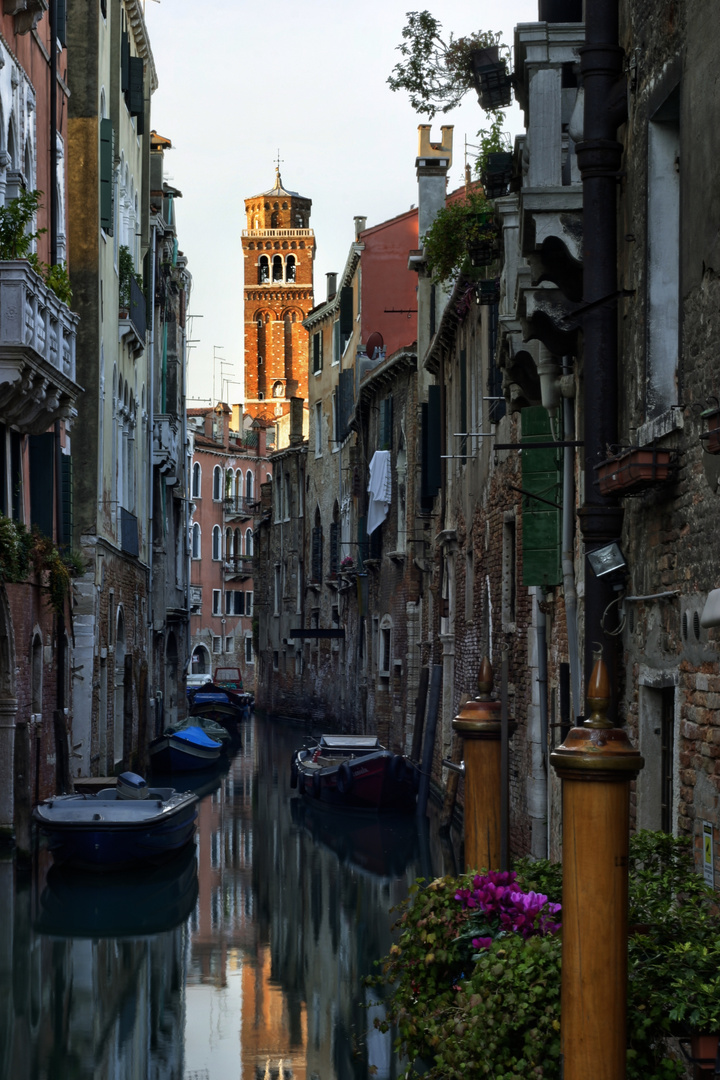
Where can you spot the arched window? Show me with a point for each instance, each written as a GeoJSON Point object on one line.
{"type": "Point", "coordinates": [277, 389]}
{"type": "Point", "coordinates": [229, 484]}
{"type": "Point", "coordinates": [217, 484]}
{"type": "Point", "coordinates": [277, 269]}
{"type": "Point", "coordinates": [200, 661]}
{"type": "Point", "coordinates": [216, 543]}
{"type": "Point", "coordinates": [238, 543]}
{"type": "Point", "coordinates": [248, 542]}
{"type": "Point", "coordinates": [229, 553]}
{"type": "Point", "coordinates": [195, 535]}
{"type": "Point", "coordinates": [196, 480]}
{"type": "Point", "coordinates": [263, 270]}
{"type": "Point", "coordinates": [239, 483]}
{"type": "Point", "coordinates": [249, 485]}
{"type": "Point", "coordinates": [290, 268]}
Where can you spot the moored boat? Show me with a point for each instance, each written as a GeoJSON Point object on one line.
{"type": "Point", "coordinates": [356, 772]}
{"type": "Point", "coordinates": [120, 826]}
{"type": "Point", "coordinates": [183, 750]}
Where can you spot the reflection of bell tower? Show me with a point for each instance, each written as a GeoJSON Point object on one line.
{"type": "Point", "coordinates": [278, 250]}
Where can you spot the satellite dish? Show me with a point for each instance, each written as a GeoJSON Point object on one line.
{"type": "Point", "coordinates": [374, 343]}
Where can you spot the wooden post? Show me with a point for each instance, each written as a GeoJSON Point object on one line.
{"type": "Point", "coordinates": [479, 724]}
{"type": "Point", "coordinates": [596, 763]}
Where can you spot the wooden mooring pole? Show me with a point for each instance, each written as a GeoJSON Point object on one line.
{"type": "Point", "coordinates": [596, 763]}
{"type": "Point", "coordinates": [479, 724]}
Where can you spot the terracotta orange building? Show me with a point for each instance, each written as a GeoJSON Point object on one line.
{"type": "Point", "coordinates": [278, 250]}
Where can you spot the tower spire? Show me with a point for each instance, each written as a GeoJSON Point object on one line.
{"type": "Point", "coordinates": [278, 179]}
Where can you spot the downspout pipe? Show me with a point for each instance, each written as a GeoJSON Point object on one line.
{"type": "Point", "coordinates": [599, 158]}
{"type": "Point", "coordinates": [568, 562]}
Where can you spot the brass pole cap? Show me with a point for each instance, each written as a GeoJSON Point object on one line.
{"type": "Point", "coordinates": [480, 717]}
{"type": "Point", "coordinates": [597, 754]}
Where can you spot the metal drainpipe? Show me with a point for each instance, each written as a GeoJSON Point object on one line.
{"type": "Point", "coordinates": [599, 158]}
{"type": "Point", "coordinates": [568, 562]}
{"type": "Point", "coordinates": [540, 833]}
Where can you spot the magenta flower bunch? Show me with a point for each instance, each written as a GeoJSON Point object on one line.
{"type": "Point", "coordinates": [499, 906]}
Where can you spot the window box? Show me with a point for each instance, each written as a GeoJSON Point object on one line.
{"type": "Point", "coordinates": [488, 292]}
{"type": "Point", "coordinates": [635, 469]}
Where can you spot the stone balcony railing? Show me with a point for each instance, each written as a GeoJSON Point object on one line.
{"type": "Point", "coordinates": [37, 351]}
{"type": "Point", "coordinates": [166, 443]}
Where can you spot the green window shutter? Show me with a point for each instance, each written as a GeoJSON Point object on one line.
{"type": "Point", "coordinates": [334, 547]}
{"type": "Point", "coordinates": [430, 476]}
{"type": "Point", "coordinates": [42, 467]}
{"type": "Point", "coordinates": [385, 432]}
{"type": "Point", "coordinates": [136, 96]}
{"type": "Point", "coordinates": [68, 521]}
{"type": "Point", "coordinates": [61, 21]}
{"type": "Point", "coordinates": [317, 351]}
{"type": "Point", "coordinates": [463, 404]}
{"type": "Point", "coordinates": [346, 311]}
{"type": "Point", "coordinates": [107, 187]}
{"type": "Point", "coordinates": [541, 516]}
{"type": "Point", "coordinates": [125, 62]}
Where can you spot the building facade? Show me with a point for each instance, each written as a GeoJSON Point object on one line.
{"type": "Point", "coordinates": [229, 467]}
{"type": "Point", "coordinates": [278, 252]}
{"type": "Point", "coordinates": [39, 391]}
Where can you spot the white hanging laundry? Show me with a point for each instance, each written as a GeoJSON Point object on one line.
{"type": "Point", "coordinates": [379, 489]}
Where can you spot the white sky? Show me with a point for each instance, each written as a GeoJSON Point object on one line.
{"type": "Point", "coordinates": [239, 80]}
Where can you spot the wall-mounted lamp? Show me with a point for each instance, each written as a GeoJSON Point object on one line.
{"type": "Point", "coordinates": [607, 560]}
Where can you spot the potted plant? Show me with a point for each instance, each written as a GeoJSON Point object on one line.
{"type": "Point", "coordinates": [634, 469]}
{"type": "Point", "coordinates": [437, 73]}
{"type": "Point", "coordinates": [462, 235]}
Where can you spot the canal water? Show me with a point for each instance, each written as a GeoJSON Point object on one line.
{"type": "Point", "coordinates": [243, 960]}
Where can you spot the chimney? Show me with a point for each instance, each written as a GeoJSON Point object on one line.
{"type": "Point", "coordinates": [296, 421]}
{"type": "Point", "coordinates": [432, 165]}
{"type": "Point", "coordinates": [331, 285]}
{"type": "Point", "coordinates": [360, 223]}
{"type": "Point", "coordinates": [262, 441]}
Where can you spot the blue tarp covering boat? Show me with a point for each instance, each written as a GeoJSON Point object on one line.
{"type": "Point", "coordinates": [184, 749]}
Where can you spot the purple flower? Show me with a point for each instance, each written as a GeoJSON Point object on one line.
{"type": "Point", "coordinates": [482, 942]}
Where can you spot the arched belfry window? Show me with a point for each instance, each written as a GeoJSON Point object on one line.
{"type": "Point", "coordinates": [290, 268]}
{"type": "Point", "coordinates": [277, 272]}
{"type": "Point", "coordinates": [263, 270]}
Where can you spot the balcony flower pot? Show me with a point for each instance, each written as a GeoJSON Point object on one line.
{"type": "Point", "coordinates": [634, 469]}
{"type": "Point", "coordinates": [711, 437]}
{"type": "Point", "coordinates": [488, 292]}
{"type": "Point", "coordinates": [490, 78]}
{"type": "Point", "coordinates": [704, 1053]}
{"type": "Point", "coordinates": [496, 174]}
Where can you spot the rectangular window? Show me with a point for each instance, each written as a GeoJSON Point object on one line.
{"type": "Point", "coordinates": [248, 604]}
{"type": "Point", "coordinates": [508, 573]}
{"type": "Point", "coordinates": [663, 258]}
{"type": "Point", "coordinates": [229, 595]}
{"type": "Point", "coordinates": [276, 660]}
{"type": "Point", "coordinates": [336, 343]}
{"type": "Point", "coordinates": [317, 554]}
{"type": "Point", "coordinates": [217, 645]}
{"type": "Point", "coordinates": [317, 351]}
{"type": "Point", "coordinates": [276, 597]}
{"type": "Point", "coordinates": [318, 429]}
{"type": "Point", "coordinates": [334, 548]}
{"type": "Point", "coordinates": [249, 658]}
{"type": "Point", "coordinates": [136, 91]}
{"type": "Point", "coordinates": [217, 601]}
{"type": "Point", "coordinates": [229, 644]}
{"type": "Point", "coordinates": [239, 603]}
{"type": "Point", "coordinates": [385, 430]}
{"type": "Point", "coordinates": [385, 633]}
{"type": "Point", "coordinates": [347, 314]}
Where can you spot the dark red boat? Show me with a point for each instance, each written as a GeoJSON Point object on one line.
{"type": "Point", "coordinates": [356, 772]}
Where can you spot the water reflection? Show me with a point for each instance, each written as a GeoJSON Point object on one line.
{"type": "Point", "coordinates": [245, 958]}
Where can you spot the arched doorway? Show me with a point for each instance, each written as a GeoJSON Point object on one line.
{"type": "Point", "coordinates": [200, 661]}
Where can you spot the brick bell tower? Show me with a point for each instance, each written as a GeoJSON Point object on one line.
{"type": "Point", "coordinates": [278, 250]}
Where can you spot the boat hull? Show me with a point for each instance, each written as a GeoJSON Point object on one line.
{"type": "Point", "coordinates": [102, 834]}
{"type": "Point", "coordinates": [355, 779]}
{"type": "Point", "coordinates": [170, 754]}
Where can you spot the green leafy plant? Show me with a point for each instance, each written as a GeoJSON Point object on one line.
{"type": "Point", "coordinates": [457, 228]}
{"type": "Point", "coordinates": [126, 273]}
{"type": "Point", "coordinates": [23, 551]}
{"type": "Point", "coordinates": [17, 238]}
{"type": "Point", "coordinates": [436, 73]}
{"type": "Point", "coordinates": [495, 1012]}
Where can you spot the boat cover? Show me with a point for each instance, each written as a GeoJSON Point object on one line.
{"type": "Point", "coordinates": [197, 737]}
{"type": "Point", "coordinates": [350, 742]}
